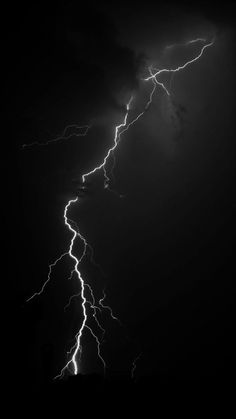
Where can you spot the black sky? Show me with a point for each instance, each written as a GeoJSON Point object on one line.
{"type": "Point", "coordinates": [167, 247]}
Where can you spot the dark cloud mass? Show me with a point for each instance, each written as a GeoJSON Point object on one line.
{"type": "Point", "coordinates": [166, 248]}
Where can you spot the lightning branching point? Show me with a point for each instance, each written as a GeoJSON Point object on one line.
{"type": "Point", "coordinates": [64, 136]}
{"type": "Point", "coordinates": [90, 248]}
{"type": "Point", "coordinates": [95, 308]}
{"type": "Point", "coordinates": [157, 73]}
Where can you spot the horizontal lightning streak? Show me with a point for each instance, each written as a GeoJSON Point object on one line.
{"type": "Point", "coordinates": [185, 44]}
{"type": "Point", "coordinates": [63, 136]}
{"type": "Point", "coordinates": [193, 41]}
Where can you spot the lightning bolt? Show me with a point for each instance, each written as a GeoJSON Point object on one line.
{"type": "Point", "coordinates": [75, 352]}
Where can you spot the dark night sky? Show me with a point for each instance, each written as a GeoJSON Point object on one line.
{"type": "Point", "coordinates": [166, 248]}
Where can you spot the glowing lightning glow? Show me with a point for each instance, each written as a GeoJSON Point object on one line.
{"type": "Point", "coordinates": [76, 350]}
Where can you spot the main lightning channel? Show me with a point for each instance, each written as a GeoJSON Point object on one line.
{"type": "Point", "coordinates": [77, 348]}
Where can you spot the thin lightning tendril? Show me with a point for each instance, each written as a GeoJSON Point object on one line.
{"type": "Point", "coordinates": [63, 136]}
{"type": "Point", "coordinates": [52, 265]}
{"type": "Point", "coordinates": [75, 352]}
{"type": "Point", "coordinates": [134, 365]}
{"type": "Point", "coordinates": [185, 44]}
{"type": "Point", "coordinates": [108, 307]}
{"type": "Point", "coordinates": [70, 300]}
{"type": "Point", "coordinates": [95, 308]}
